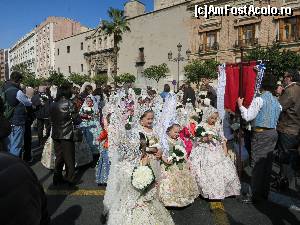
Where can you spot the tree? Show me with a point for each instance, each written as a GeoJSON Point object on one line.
{"type": "Point", "coordinates": [100, 79]}
{"type": "Point", "coordinates": [127, 78]}
{"type": "Point", "coordinates": [197, 70]}
{"type": "Point", "coordinates": [79, 79]}
{"type": "Point", "coordinates": [57, 79]}
{"type": "Point", "coordinates": [29, 78]}
{"type": "Point", "coordinates": [116, 27]}
{"type": "Point", "coordinates": [156, 72]}
{"type": "Point", "coordinates": [279, 61]}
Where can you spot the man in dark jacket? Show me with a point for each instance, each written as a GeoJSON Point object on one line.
{"type": "Point", "coordinates": [63, 118]}
{"type": "Point", "coordinates": [211, 93]}
{"type": "Point", "coordinates": [41, 101]}
{"type": "Point", "coordinates": [22, 198]}
{"type": "Point", "coordinates": [5, 128]}
{"type": "Point", "coordinates": [18, 100]}
{"type": "Point", "coordinates": [189, 95]}
{"type": "Point", "coordinates": [289, 125]}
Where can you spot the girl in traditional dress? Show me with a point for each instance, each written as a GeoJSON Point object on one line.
{"type": "Point", "coordinates": [177, 187]}
{"type": "Point", "coordinates": [103, 165]}
{"type": "Point", "coordinates": [153, 148]}
{"type": "Point", "coordinates": [215, 173]}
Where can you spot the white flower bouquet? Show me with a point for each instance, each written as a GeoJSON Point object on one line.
{"type": "Point", "coordinates": [88, 110]}
{"type": "Point", "coordinates": [178, 156]}
{"type": "Point", "coordinates": [142, 178]}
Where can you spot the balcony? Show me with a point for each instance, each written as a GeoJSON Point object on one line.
{"type": "Point", "coordinates": [209, 47]}
{"type": "Point", "coordinates": [291, 39]}
{"type": "Point", "coordinates": [250, 42]}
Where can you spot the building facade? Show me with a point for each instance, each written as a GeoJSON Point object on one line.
{"type": "Point", "coordinates": [47, 33]}
{"type": "Point", "coordinates": [221, 37]}
{"type": "Point", "coordinates": [99, 53]}
{"type": "Point", "coordinates": [4, 64]}
{"type": "Point", "coordinates": [153, 35]}
{"type": "Point", "coordinates": [24, 52]}
{"type": "Point", "coordinates": [69, 54]}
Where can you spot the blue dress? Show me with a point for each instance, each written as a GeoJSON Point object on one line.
{"type": "Point", "coordinates": [103, 165]}
{"type": "Point", "coordinates": [91, 127]}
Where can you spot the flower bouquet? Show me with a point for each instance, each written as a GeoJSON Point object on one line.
{"type": "Point", "coordinates": [88, 110]}
{"type": "Point", "coordinates": [177, 157]}
{"type": "Point", "coordinates": [142, 178]}
{"type": "Point", "coordinates": [87, 113]}
{"type": "Point", "coordinates": [206, 135]}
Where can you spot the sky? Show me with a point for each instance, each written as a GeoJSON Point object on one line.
{"type": "Point", "coordinates": [18, 17]}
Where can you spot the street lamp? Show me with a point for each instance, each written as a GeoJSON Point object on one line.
{"type": "Point", "coordinates": [179, 59]}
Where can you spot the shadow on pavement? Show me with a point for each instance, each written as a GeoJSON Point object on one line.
{"type": "Point", "coordinates": [277, 214]}
{"type": "Point", "coordinates": [68, 217]}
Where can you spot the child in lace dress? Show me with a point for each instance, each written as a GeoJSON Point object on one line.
{"type": "Point", "coordinates": [177, 187]}
{"type": "Point", "coordinates": [214, 171]}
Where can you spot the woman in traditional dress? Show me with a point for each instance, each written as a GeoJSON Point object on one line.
{"type": "Point", "coordinates": [177, 186]}
{"type": "Point", "coordinates": [214, 171]}
{"type": "Point", "coordinates": [90, 124]}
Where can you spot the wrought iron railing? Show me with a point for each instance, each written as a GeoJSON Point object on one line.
{"type": "Point", "coordinates": [246, 42]}
{"type": "Point", "coordinates": [209, 47]}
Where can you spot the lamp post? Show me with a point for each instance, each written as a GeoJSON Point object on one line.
{"type": "Point", "coordinates": [179, 59]}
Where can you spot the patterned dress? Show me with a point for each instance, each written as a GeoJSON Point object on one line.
{"type": "Point", "coordinates": [130, 206]}
{"type": "Point", "coordinates": [215, 173]}
{"type": "Point", "coordinates": [103, 165]}
{"type": "Point", "coordinates": [177, 186]}
{"type": "Point", "coordinates": [91, 129]}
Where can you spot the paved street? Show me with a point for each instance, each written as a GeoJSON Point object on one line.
{"type": "Point", "coordinates": [84, 206]}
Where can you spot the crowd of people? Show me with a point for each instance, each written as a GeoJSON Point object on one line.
{"type": "Point", "coordinates": [181, 138]}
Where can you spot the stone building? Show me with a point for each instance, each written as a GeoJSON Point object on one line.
{"type": "Point", "coordinates": [69, 54]}
{"type": "Point", "coordinates": [221, 37]}
{"type": "Point", "coordinates": [153, 35]}
{"type": "Point", "coordinates": [47, 33]}
{"type": "Point", "coordinates": [24, 51]}
{"type": "Point", "coordinates": [99, 53]}
{"type": "Point", "coordinates": [4, 62]}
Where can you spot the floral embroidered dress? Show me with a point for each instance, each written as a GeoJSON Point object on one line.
{"type": "Point", "coordinates": [131, 206]}
{"type": "Point", "coordinates": [177, 186]}
{"type": "Point", "coordinates": [90, 125]}
{"type": "Point", "coordinates": [215, 173]}
{"type": "Point", "coordinates": [103, 165]}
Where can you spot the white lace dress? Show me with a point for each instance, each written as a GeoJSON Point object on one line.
{"type": "Point", "coordinates": [83, 155]}
{"type": "Point", "coordinates": [130, 207]}
{"type": "Point", "coordinates": [215, 173]}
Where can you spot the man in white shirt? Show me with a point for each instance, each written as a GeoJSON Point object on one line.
{"type": "Point", "coordinates": [264, 113]}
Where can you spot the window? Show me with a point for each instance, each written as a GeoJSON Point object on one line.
{"type": "Point", "coordinates": [246, 35]}
{"type": "Point", "coordinates": [81, 45]}
{"type": "Point", "coordinates": [70, 70]}
{"type": "Point", "coordinates": [58, 70]}
{"type": "Point", "coordinates": [289, 29]}
{"type": "Point", "coordinates": [209, 41]}
{"type": "Point", "coordinates": [68, 49]}
{"type": "Point", "coordinates": [81, 67]}
{"type": "Point", "coordinates": [141, 57]}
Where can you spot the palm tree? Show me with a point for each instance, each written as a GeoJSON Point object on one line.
{"type": "Point", "coordinates": [116, 26]}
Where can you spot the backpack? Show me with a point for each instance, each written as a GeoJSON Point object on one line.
{"type": "Point", "coordinates": [8, 109]}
